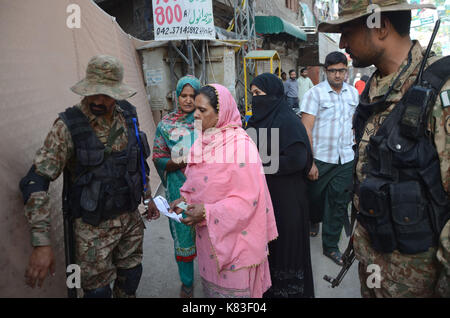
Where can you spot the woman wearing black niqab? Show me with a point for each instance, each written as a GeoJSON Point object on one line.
{"type": "Point", "coordinates": [289, 255]}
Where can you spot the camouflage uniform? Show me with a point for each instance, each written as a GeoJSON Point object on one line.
{"type": "Point", "coordinates": [443, 256]}
{"type": "Point", "coordinates": [96, 247]}
{"type": "Point", "coordinates": [422, 274]}
{"type": "Point", "coordinates": [116, 243]}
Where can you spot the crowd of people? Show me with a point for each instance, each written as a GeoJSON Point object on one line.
{"type": "Point", "coordinates": [248, 226]}
{"type": "Point", "coordinates": [289, 194]}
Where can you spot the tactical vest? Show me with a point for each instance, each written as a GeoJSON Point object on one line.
{"type": "Point", "coordinates": [104, 183]}
{"type": "Point", "coordinates": [402, 203]}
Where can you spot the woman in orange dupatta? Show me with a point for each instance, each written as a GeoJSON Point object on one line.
{"type": "Point", "coordinates": [228, 201]}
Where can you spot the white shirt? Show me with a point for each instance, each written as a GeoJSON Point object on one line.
{"type": "Point", "coordinates": [332, 134]}
{"type": "Point", "coordinates": [304, 84]}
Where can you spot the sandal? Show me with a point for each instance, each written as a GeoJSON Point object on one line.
{"type": "Point", "coordinates": [335, 256]}
{"type": "Point", "coordinates": [186, 292]}
{"type": "Point", "coordinates": [314, 230]}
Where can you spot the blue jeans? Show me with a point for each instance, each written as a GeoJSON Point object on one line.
{"type": "Point", "coordinates": [292, 102]}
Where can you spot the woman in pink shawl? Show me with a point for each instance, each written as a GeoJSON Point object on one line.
{"type": "Point", "coordinates": [228, 201]}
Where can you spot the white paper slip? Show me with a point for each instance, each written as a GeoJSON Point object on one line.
{"type": "Point", "coordinates": [164, 207]}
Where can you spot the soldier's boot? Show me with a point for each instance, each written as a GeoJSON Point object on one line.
{"type": "Point", "coordinates": [102, 292]}
{"type": "Point", "coordinates": [127, 282]}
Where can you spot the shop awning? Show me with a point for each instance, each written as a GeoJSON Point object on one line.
{"type": "Point", "coordinates": [263, 55]}
{"type": "Point", "coordinates": [277, 25]}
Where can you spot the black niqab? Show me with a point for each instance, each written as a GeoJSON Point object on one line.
{"type": "Point", "coordinates": [272, 111]}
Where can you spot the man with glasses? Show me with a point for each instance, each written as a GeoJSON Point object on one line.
{"type": "Point", "coordinates": [327, 111]}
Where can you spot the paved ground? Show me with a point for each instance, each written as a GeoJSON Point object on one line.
{"type": "Point", "coordinates": [160, 276]}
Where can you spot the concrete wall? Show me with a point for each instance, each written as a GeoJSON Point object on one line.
{"type": "Point", "coordinates": [278, 8]}
{"type": "Point", "coordinates": [220, 68]}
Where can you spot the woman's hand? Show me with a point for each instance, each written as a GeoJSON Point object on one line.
{"type": "Point", "coordinates": [195, 214]}
{"type": "Point", "coordinates": [173, 205]}
{"type": "Point", "coordinates": [174, 166]}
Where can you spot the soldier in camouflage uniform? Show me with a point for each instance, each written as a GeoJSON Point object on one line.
{"type": "Point", "coordinates": [397, 58]}
{"type": "Point", "coordinates": [111, 248]}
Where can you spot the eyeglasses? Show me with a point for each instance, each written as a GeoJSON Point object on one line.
{"type": "Point", "coordinates": [334, 71]}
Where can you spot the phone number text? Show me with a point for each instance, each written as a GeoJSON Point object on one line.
{"type": "Point", "coordinates": [184, 30]}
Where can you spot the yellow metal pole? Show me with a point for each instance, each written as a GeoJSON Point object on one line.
{"type": "Point", "coordinates": [271, 66]}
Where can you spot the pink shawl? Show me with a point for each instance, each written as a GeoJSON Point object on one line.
{"type": "Point", "coordinates": [239, 213]}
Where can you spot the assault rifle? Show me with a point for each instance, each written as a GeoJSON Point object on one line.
{"type": "Point", "coordinates": [69, 247]}
{"type": "Point", "coordinates": [348, 257]}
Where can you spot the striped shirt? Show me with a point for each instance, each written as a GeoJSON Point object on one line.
{"type": "Point", "coordinates": [332, 134]}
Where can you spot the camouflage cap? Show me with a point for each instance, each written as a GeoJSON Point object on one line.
{"type": "Point", "coordinates": [104, 75]}
{"type": "Point", "coordinates": [350, 10]}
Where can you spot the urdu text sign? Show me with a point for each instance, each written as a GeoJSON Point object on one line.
{"type": "Point", "coordinates": [183, 20]}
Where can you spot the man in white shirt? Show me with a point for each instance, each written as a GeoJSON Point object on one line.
{"type": "Point", "coordinates": [327, 111]}
{"type": "Point", "coordinates": [304, 84]}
